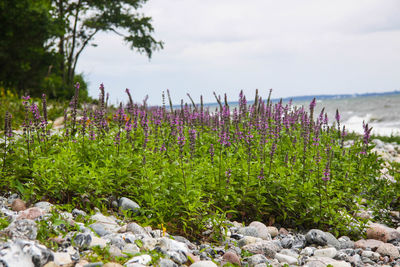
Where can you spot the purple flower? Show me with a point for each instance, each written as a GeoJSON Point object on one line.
{"type": "Point", "coordinates": [261, 175]}
{"type": "Point", "coordinates": [327, 174]}
{"type": "Point", "coordinates": [312, 104]}
{"type": "Point", "coordinates": [212, 152]}
{"type": "Point", "coordinates": [367, 133]}
{"type": "Point", "coordinates": [337, 117]}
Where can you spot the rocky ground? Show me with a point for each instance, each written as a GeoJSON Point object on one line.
{"type": "Point", "coordinates": [104, 241]}
{"type": "Point", "coordinates": [78, 239]}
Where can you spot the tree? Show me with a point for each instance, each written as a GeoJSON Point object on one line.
{"type": "Point", "coordinates": [81, 20]}
{"type": "Point", "coordinates": [25, 54]}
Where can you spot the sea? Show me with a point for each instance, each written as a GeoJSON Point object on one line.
{"type": "Point", "coordinates": [380, 110]}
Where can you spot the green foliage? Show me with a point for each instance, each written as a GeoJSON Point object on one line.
{"type": "Point", "coordinates": [41, 40]}
{"type": "Point", "coordinates": [11, 101]}
{"type": "Point", "coordinates": [51, 227]}
{"type": "Point", "coordinates": [25, 55]}
{"type": "Point", "coordinates": [4, 223]}
{"type": "Point", "coordinates": [296, 174]}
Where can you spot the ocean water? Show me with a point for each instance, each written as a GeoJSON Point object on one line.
{"type": "Point", "coordinates": [382, 112]}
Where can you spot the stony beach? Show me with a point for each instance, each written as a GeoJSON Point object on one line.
{"type": "Point", "coordinates": [81, 238]}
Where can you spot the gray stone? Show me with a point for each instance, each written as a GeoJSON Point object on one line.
{"type": "Point", "coordinates": [22, 229]}
{"type": "Point", "coordinates": [246, 240]}
{"type": "Point", "coordinates": [115, 251]}
{"type": "Point", "coordinates": [130, 249]}
{"type": "Point", "coordinates": [370, 255]}
{"type": "Point", "coordinates": [345, 242]}
{"type": "Point", "coordinates": [167, 263]}
{"type": "Point", "coordinates": [307, 251]}
{"type": "Point", "coordinates": [263, 230]}
{"type": "Point", "coordinates": [136, 229]}
{"type": "Point", "coordinates": [24, 253]}
{"type": "Point", "coordinates": [116, 240]}
{"type": "Point", "coordinates": [332, 241]}
{"type": "Point", "coordinates": [149, 243]}
{"type": "Point", "coordinates": [142, 259]}
{"type": "Point", "coordinates": [317, 237]}
{"type": "Point", "coordinates": [325, 252]}
{"type": "Point", "coordinates": [99, 229]}
{"type": "Point", "coordinates": [256, 259]}
{"type": "Point", "coordinates": [44, 205]}
{"type": "Point", "coordinates": [342, 256]}
{"type": "Point", "coordinates": [204, 264]}
{"type": "Point", "coordinates": [297, 241]}
{"type": "Point", "coordinates": [128, 204]}
{"type": "Point", "coordinates": [62, 259]}
{"type": "Point", "coordinates": [96, 241]}
{"type": "Point", "coordinates": [248, 231]}
{"type": "Point", "coordinates": [323, 262]}
{"type": "Point", "coordinates": [289, 252]}
{"type": "Point", "coordinates": [167, 244]}
{"type": "Point", "coordinates": [268, 248]}
{"type": "Point", "coordinates": [177, 256]}
{"type": "Point", "coordinates": [94, 264]}
{"type": "Point", "coordinates": [73, 253]}
{"type": "Point", "coordinates": [108, 222]}
{"type": "Point", "coordinates": [355, 260]}
{"type": "Point", "coordinates": [285, 258]}
{"type": "Point", "coordinates": [82, 240]}
{"type": "Point", "coordinates": [77, 212]}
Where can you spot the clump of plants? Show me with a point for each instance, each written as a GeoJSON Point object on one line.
{"type": "Point", "coordinates": [268, 161]}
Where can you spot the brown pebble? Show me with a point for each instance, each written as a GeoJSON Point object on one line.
{"type": "Point", "coordinates": [283, 231]}
{"type": "Point", "coordinates": [18, 205]}
{"type": "Point", "coordinates": [192, 258]}
{"type": "Point", "coordinates": [231, 257]}
{"type": "Point", "coordinates": [31, 213]}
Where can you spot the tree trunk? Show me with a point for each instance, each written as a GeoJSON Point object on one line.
{"type": "Point", "coordinates": [62, 40]}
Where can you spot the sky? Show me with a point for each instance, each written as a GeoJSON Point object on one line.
{"type": "Point", "coordinates": [295, 47]}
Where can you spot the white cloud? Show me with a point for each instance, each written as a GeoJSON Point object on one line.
{"type": "Point", "coordinates": [296, 47]}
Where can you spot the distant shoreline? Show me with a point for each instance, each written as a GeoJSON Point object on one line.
{"type": "Point", "coordinates": [307, 98]}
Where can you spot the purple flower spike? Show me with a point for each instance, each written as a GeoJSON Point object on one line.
{"type": "Point", "coordinates": [312, 104]}
{"type": "Point", "coordinates": [337, 116]}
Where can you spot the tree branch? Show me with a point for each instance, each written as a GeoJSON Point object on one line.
{"type": "Point", "coordinates": [84, 44]}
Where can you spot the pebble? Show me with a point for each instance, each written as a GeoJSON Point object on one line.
{"type": "Point", "coordinates": [62, 259]}
{"type": "Point", "coordinates": [204, 264]}
{"type": "Point", "coordinates": [125, 203]}
{"type": "Point", "coordinates": [325, 252]}
{"type": "Point", "coordinates": [142, 259]}
{"type": "Point", "coordinates": [256, 260]}
{"type": "Point", "coordinates": [317, 237]}
{"type": "Point", "coordinates": [381, 232]}
{"type": "Point", "coordinates": [44, 205]}
{"type": "Point", "coordinates": [285, 258]}
{"type": "Point", "coordinates": [18, 205]}
{"type": "Point", "coordinates": [167, 263]}
{"type": "Point", "coordinates": [231, 257]}
{"type": "Point", "coordinates": [323, 262]}
{"type": "Point", "coordinates": [264, 232]}
{"type": "Point", "coordinates": [269, 246]}
{"type": "Point", "coordinates": [249, 231]}
{"type": "Point", "coordinates": [246, 240]}
{"type": "Point", "coordinates": [387, 249]}
{"type": "Point", "coordinates": [24, 229]}
{"type": "Point", "coordinates": [368, 243]}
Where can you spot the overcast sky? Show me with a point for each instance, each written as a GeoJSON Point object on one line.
{"type": "Point", "coordinates": [296, 47]}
